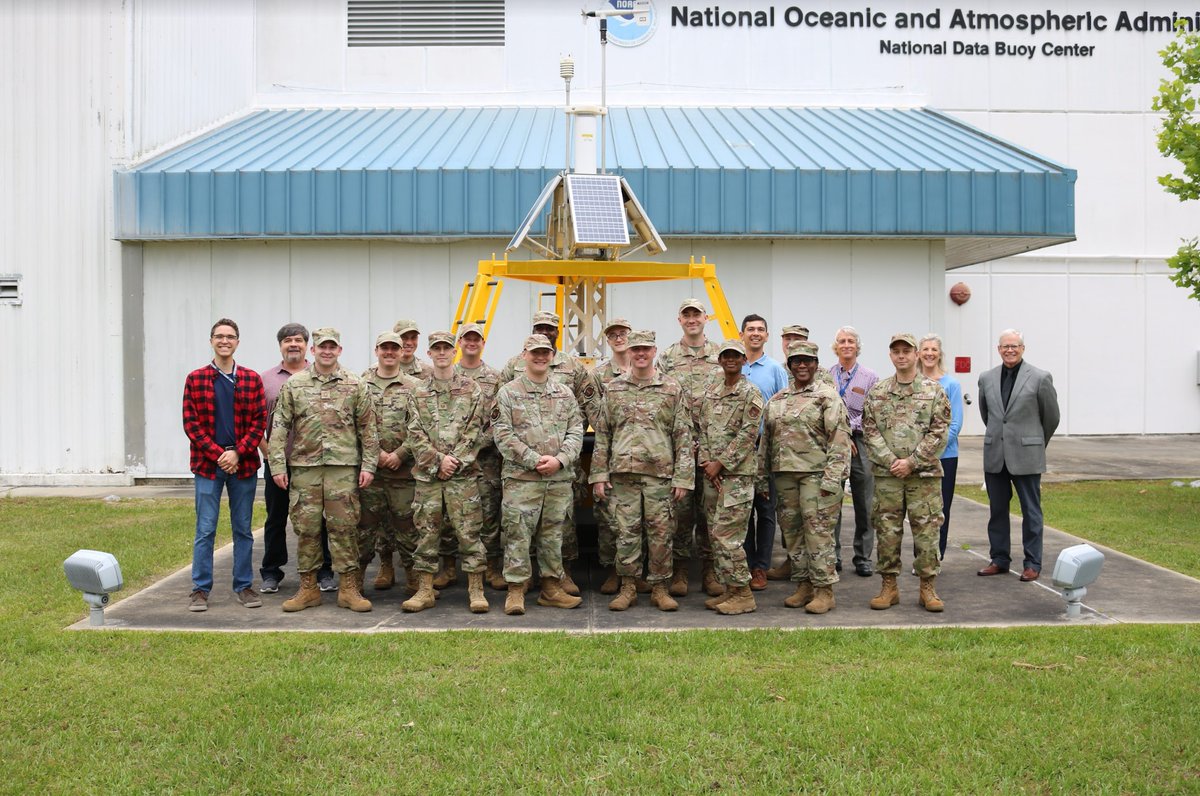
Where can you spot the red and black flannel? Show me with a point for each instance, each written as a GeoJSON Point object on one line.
{"type": "Point", "coordinates": [199, 420]}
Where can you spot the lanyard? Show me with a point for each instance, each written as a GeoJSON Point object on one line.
{"type": "Point", "coordinates": [849, 378]}
{"type": "Point", "coordinates": [229, 377]}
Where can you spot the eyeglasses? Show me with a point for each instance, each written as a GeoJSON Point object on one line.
{"type": "Point", "coordinates": [615, 335]}
{"type": "Point", "coordinates": [224, 337]}
{"type": "Point", "coordinates": [1011, 347]}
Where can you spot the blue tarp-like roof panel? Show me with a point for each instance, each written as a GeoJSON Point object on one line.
{"type": "Point", "coordinates": [776, 172]}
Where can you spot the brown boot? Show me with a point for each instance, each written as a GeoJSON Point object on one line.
{"type": "Point", "coordinates": [679, 580]}
{"type": "Point", "coordinates": [612, 583]}
{"type": "Point", "coordinates": [661, 599]}
{"type": "Point", "coordinates": [554, 595]}
{"type": "Point", "coordinates": [350, 593]}
{"type": "Point", "coordinates": [386, 578]}
{"type": "Point", "coordinates": [781, 572]}
{"type": "Point", "coordinates": [802, 596]}
{"type": "Point", "coordinates": [712, 602]}
{"type": "Point", "coordinates": [424, 598]}
{"type": "Point", "coordinates": [626, 597]}
{"type": "Point", "coordinates": [888, 596]}
{"type": "Point", "coordinates": [741, 601]}
{"type": "Point", "coordinates": [708, 579]}
{"type": "Point", "coordinates": [642, 585]}
{"type": "Point", "coordinates": [448, 576]}
{"type": "Point", "coordinates": [566, 583]}
{"type": "Point", "coordinates": [514, 601]}
{"type": "Point", "coordinates": [929, 599]}
{"type": "Point", "coordinates": [478, 602]}
{"type": "Point", "coordinates": [410, 581]}
{"type": "Point", "coordinates": [308, 596]}
{"type": "Point", "coordinates": [822, 601]}
{"type": "Point", "coordinates": [495, 575]}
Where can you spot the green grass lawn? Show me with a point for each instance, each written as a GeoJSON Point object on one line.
{"type": "Point", "coordinates": [1103, 709]}
{"type": "Point", "coordinates": [1151, 520]}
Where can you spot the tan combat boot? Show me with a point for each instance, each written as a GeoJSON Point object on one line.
{"type": "Point", "coordinates": [781, 572]}
{"type": "Point", "coordinates": [679, 580]}
{"type": "Point", "coordinates": [478, 602]}
{"type": "Point", "coordinates": [495, 575]}
{"type": "Point", "coordinates": [612, 583]}
{"type": "Point", "coordinates": [802, 596]}
{"type": "Point", "coordinates": [822, 601]}
{"type": "Point", "coordinates": [888, 596]}
{"type": "Point", "coordinates": [929, 599]}
{"type": "Point", "coordinates": [567, 583]}
{"type": "Point", "coordinates": [308, 596]}
{"type": "Point", "coordinates": [708, 579]}
{"type": "Point", "coordinates": [410, 581]}
{"type": "Point", "coordinates": [661, 599]}
{"type": "Point", "coordinates": [386, 578]}
{"type": "Point", "coordinates": [350, 593]}
{"type": "Point", "coordinates": [424, 598]}
{"type": "Point", "coordinates": [554, 596]}
{"type": "Point", "coordinates": [626, 597]}
{"type": "Point", "coordinates": [712, 602]}
{"type": "Point", "coordinates": [741, 601]}
{"type": "Point", "coordinates": [514, 601]}
{"type": "Point", "coordinates": [642, 585]}
{"type": "Point", "coordinates": [448, 576]}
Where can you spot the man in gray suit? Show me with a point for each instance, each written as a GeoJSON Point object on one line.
{"type": "Point", "coordinates": [1020, 407]}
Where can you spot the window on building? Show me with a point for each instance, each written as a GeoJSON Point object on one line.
{"type": "Point", "coordinates": [10, 288]}
{"type": "Point", "coordinates": [425, 23]}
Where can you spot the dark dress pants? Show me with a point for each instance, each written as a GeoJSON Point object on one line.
{"type": "Point", "coordinates": [1029, 492]}
{"type": "Point", "coordinates": [862, 487]}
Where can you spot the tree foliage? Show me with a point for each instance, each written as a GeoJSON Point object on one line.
{"type": "Point", "coordinates": [1179, 138]}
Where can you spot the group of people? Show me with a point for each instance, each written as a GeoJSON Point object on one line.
{"type": "Point", "coordinates": [700, 451]}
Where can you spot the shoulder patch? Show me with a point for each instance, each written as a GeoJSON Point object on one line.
{"type": "Point", "coordinates": [495, 413]}
{"type": "Point", "coordinates": [754, 411]}
{"type": "Point", "coordinates": [589, 390]}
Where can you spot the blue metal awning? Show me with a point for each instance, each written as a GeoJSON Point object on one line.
{"type": "Point", "coordinates": [708, 172]}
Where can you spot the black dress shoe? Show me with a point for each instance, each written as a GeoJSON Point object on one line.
{"type": "Point", "coordinates": [838, 566]}
{"type": "Point", "coordinates": [864, 569]}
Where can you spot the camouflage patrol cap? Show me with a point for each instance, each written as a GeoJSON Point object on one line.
{"type": "Point", "coordinates": [618, 323]}
{"type": "Point", "coordinates": [546, 318]}
{"type": "Point", "coordinates": [387, 337]}
{"type": "Point", "coordinates": [470, 327]}
{"type": "Point", "coordinates": [802, 348]}
{"type": "Point", "coordinates": [797, 329]}
{"type": "Point", "coordinates": [535, 341]}
{"type": "Point", "coordinates": [440, 337]}
{"type": "Point", "coordinates": [642, 337]}
{"type": "Point", "coordinates": [326, 333]}
{"type": "Point", "coordinates": [693, 304]}
{"type": "Point", "coordinates": [732, 345]}
{"type": "Point", "coordinates": [903, 337]}
{"type": "Point", "coordinates": [405, 325]}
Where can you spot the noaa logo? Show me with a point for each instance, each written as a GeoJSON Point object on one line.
{"type": "Point", "coordinates": [634, 28]}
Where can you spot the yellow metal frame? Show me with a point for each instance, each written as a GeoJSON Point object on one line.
{"type": "Point", "coordinates": [479, 298]}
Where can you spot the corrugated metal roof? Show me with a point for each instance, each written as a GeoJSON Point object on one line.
{"type": "Point", "coordinates": [700, 171]}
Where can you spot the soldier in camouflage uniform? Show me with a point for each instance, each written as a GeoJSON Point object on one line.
{"type": "Point", "coordinates": [617, 334]}
{"type": "Point", "coordinates": [331, 418]}
{"type": "Point", "coordinates": [906, 422]}
{"type": "Point", "coordinates": [693, 363]}
{"type": "Point", "coordinates": [730, 413]}
{"type": "Point", "coordinates": [539, 431]}
{"type": "Point", "coordinates": [643, 463]}
{"type": "Point", "coordinates": [806, 444]}
{"type": "Point", "coordinates": [410, 337]}
{"type": "Point", "coordinates": [471, 365]}
{"type": "Point", "coordinates": [445, 421]}
{"type": "Point", "coordinates": [573, 374]}
{"type": "Point", "coordinates": [386, 524]}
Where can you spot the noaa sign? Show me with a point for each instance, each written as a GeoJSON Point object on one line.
{"type": "Point", "coordinates": [635, 27]}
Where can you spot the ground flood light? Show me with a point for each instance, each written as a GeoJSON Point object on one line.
{"type": "Point", "coordinates": [1077, 568]}
{"type": "Point", "coordinates": [96, 574]}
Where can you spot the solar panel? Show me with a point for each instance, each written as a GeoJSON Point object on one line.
{"type": "Point", "coordinates": [597, 209]}
{"type": "Point", "coordinates": [532, 215]}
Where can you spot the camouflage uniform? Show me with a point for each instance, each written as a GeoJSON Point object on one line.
{"type": "Point", "coordinates": [417, 369]}
{"type": "Point", "coordinates": [907, 421]}
{"type": "Point", "coordinates": [694, 368]}
{"type": "Point", "coordinates": [332, 421]}
{"type": "Point", "coordinates": [806, 445]}
{"type": "Point", "coordinates": [728, 431]}
{"type": "Point", "coordinates": [644, 449]}
{"type": "Point", "coordinates": [531, 420]}
{"type": "Point", "coordinates": [488, 379]}
{"type": "Point", "coordinates": [445, 417]}
{"type": "Point", "coordinates": [386, 524]}
{"type": "Point", "coordinates": [606, 536]}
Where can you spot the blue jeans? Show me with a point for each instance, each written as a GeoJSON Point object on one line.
{"type": "Point", "coordinates": [208, 509]}
{"type": "Point", "coordinates": [760, 535]}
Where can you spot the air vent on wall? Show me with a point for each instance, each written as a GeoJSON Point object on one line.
{"type": "Point", "coordinates": [425, 23]}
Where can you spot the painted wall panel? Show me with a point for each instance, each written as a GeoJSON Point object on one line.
{"type": "Point", "coordinates": [1104, 397]}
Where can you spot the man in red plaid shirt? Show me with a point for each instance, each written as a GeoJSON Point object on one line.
{"type": "Point", "coordinates": [224, 417]}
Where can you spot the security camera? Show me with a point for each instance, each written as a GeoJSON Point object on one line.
{"type": "Point", "coordinates": [96, 574]}
{"type": "Point", "coordinates": [1077, 568]}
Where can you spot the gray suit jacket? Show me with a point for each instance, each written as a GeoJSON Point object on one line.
{"type": "Point", "coordinates": [1016, 437]}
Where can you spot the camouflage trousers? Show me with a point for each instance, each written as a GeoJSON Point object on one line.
{"type": "Point", "coordinates": [454, 504]}
{"type": "Point", "coordinates": [727, 511]}
{"type": "Point", "coordinates": [534, 515]}
{"type": "Point", "coordinates": [921, 500]}
{"type": "Point", "coordinates": [490, 497]}
{"type": "Point", "coordinates": [642, 504]}
{"type": "Point", "coordinates": [807, 519]}
{"type": "Point", "coordinates": [386, 525]}
{"type": "Point", "coordinates": [691, 526]}
{"type": "Point", "coordinates": [330, 491]}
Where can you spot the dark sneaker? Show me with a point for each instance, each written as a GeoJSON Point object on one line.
{"type": "Point", "coordinates": [199, 601]}
{"type": "Point", "coordinates": [269, 586]}
{"type": "Point", "coordinates": [327, 583]}
{"type": "Point", "coordinates": [249, 598]}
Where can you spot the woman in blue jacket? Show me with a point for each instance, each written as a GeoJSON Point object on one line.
{"type": "Point", "coordinates": [934, 367]}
